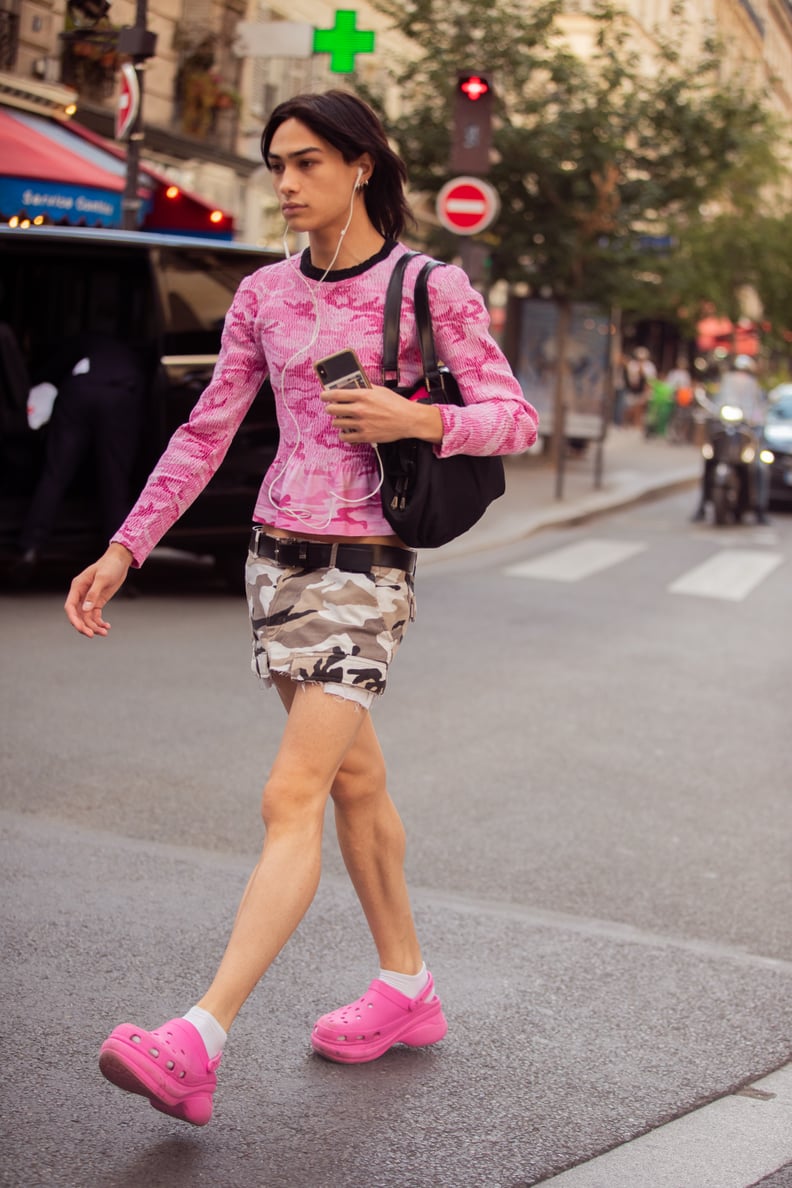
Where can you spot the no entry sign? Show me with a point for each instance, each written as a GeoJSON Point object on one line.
{"type": "Point", "coordinates": [467, 205]}
{"type": "Point", "coordinates": [128, 102]}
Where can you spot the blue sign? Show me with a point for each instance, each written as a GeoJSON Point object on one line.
{"type": "Point", "coordinates": [59, 202]}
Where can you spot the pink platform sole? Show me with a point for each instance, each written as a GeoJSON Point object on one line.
{"type": "Point", "coordinates": [366, 1029]}
{"type": "Point", "coordinates": [169, 1066]}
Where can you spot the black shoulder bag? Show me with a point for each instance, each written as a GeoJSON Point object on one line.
{"type": "Point", "coordinates": [429, 500]}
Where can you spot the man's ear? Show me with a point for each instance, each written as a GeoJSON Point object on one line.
{"type": "Point", "coordinates": [365, 169]}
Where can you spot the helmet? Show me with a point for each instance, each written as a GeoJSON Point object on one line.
{"type": "Point", "coordinates": [744, 363]}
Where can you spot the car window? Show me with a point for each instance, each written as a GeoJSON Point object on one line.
{"type": "Point", "coordinates": [781, 411]}
{"type": "Point", "coordinates": [57, 291]}
{"type": "Point", "coordinates": [196, 289]}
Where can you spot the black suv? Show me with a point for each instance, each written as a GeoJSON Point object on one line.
{"type": "Point", "coordinates": [168, 295]}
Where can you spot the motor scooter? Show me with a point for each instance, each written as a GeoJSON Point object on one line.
{"type": "Point", "coordinates": [732, 458]}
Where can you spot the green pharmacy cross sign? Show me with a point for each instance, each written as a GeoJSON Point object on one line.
{"type": "Point", "coordinates": [343, 41]}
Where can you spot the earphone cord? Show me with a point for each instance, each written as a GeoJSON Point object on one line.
{"type": "Point", "coordinates": [304, 516]}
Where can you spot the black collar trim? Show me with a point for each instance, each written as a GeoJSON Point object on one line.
{"type": "Point", "coordinates": [308, 269]}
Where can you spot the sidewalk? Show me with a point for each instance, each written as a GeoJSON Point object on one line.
{"type": "Point", "coordinates": [633, 467]}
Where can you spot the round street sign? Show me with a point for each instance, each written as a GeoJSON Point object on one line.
{"type": "Point", "coordinates": [128, 102]}
{"type": "Point", "coordinates": [467, 205]}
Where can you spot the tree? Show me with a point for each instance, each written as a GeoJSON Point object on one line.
{"type": "Point", "coordinates": [734, 261]}
{"type": "Point", "coordinates": [775, 292]}
{"type": "Point", "coordinates": [599, 162]}
{"type": "Point", "coordinates": [596, 157]}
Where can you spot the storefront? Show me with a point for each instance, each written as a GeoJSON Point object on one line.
{"type": "Point", "coordinates": [53, 171]}
{"type": "Point", "coordinates": [43, 180]}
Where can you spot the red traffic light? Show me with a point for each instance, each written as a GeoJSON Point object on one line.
{"type": "Point", "coordinates": [473, 87]}
{"type": "Point", "coordinates": [471, 136]}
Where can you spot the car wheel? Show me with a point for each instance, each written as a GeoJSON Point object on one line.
{"type": "Point", "coordinates": [723, 503]}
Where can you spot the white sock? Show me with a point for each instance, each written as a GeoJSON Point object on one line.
{"type": "Point", "coordinates": [209, 1029]}
{"type": "Point", "coordinates": [408, 984]}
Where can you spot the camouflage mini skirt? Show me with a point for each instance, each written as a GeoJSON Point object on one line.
{"type": "Point", "coordinates": [328, 626]}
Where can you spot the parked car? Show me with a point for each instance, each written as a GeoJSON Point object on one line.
{"type": "Point", "coordinates": [779, 391]}
{"type": "Point", "coordinates": [777, 438]}
{"type": "Point", "coordinates": [169, 296]}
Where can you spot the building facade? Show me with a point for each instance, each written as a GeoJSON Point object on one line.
{"type": "Point", "coordinates": [206, 101]}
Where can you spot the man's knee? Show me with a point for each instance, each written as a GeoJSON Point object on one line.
{"type": "Point", "coordinates": [355, 783]}
{"type": "Point", "coordinates": [292, 803]}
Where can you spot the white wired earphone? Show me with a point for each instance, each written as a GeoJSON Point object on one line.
{"type": "Point", "coordinates": [303, 516]}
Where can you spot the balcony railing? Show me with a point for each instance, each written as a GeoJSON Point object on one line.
{"type": "Point", "coordinates": [9, 39]}
{"type": "Point", "coordinates": [89, 62]}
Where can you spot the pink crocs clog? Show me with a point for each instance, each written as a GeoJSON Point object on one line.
{"type": "Point", "coordinates": [365, 1029]}
{"type": "Point", "coordinates": [169, 1066]}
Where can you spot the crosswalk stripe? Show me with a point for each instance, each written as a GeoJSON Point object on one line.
{"type": "Point", "coordinates": [576, 561]}
{"type": "Point", "coordinates": [731, 574]}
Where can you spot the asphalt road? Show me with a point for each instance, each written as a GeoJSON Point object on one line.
{"type": "Point", "coordinates": [588, 739]}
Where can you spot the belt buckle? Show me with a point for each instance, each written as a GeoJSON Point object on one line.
{"type": "Point", "coordinates": [276, 549]}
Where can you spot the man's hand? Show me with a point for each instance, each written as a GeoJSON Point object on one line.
{"type": "Point", "coordinates": [92, 589]}
{"type": "Point", "coordinates": [377, 414]}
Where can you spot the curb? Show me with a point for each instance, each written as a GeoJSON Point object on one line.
{"type": "Point", "coordinates": [516, 527]}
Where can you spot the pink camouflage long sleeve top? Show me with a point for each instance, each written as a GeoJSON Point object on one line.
{"type": "Point", "coordinates": [283, 318]}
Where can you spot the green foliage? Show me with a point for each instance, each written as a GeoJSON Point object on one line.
{"type": "Point", "coordinates": [718, 260]}
{"type": "Point", "coordinates": [776, 288]}
{"type": "Point", "coordinates": [601, 164]}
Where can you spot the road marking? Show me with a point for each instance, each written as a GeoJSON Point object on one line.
{"type": "Point", "coordinates": [577, 561]}
{"type": "Point", "coordinates": [731, 1143]}
{"type": "Point", "coordinates": [731, 574]}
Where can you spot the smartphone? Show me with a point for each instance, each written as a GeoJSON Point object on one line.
{"type": "Point", "coordinates": [342, 370]}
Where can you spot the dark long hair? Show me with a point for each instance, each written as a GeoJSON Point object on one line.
{"type": "Point", "coordinates": [352, 127]}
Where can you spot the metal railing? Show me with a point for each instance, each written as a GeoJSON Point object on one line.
{"type": "Point", "coordinates": [9, 38]}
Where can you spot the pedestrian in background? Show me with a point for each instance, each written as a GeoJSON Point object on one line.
{"type": "Point", "coordinates": [639, 371]}
{"type": "Point", "coordinates": [679, 376]}
{"type": "Point", "coordinates": [682, 422]}
{"type": "Point", "coordinates": [619, 388]}
{"type": "Point", "coordinates": [659, 407]}
{"type": "Point", "coordinates": [330, 588]}
{"type": "Point", "coordinates": [97, 415]}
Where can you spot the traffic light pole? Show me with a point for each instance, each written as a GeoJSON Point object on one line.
{"type": "Point", "coordinates": [470, 152]}
{"type": "Point", "coordinates": [473, 256]}
{"type": "Point", "coordinates": [472, 135]}
{"type": "Point", "coordinates": [140, 45]}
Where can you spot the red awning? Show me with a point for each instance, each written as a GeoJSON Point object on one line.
{"type": "Point", "coordinates": [28, 153]}
{"type": "Point", "coordinates": [740, 338]}
{"type": "Point", "coordinates": [185, 212]}
{"type": "Point", "coordinates": [76, 161]}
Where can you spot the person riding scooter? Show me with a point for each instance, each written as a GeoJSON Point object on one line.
{"type": "Point", "coordinates": [738, 402]}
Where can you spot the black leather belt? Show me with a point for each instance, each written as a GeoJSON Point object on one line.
{"type": "Point", "coordinates": [314, 554]}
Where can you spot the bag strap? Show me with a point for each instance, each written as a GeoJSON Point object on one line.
{"type": "Point", "coordinates": [423, 320]}
{"type": "Point", "coordinates": [392, 320]}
